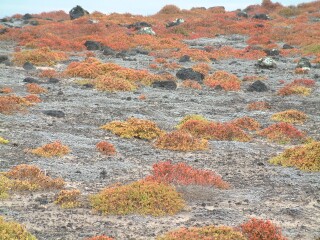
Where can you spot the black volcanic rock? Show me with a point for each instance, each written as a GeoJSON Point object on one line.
{"type": "Point", "coordinates": [257, 86]}
{"type": "Point", "coordinates": [54, 113]}
{"type": "Point", "coordinates": [31, 80]}
{"type": "Point", "coordinates": [168, 85]}
{"type": "Point", "coordinates": [287, 46]}
{"type": "Point", "coordinates": [139, 25]}
{"type": "Point", "coordinates": [184, 58]}
{"type": "Point", "coordinates": [272, 52]}
{"type": "Point", "coordinates": [92, 45]}
{"type": "Point", "coordinates": [189, 73]}
{"type": "Point", "coordinates": [28, 66]}
{"type": "Point", "coordinates": [27, 16]}
{"type": "Point", "coordinates": [3, 58]}
{"type": "Point", "coordinates": [107, 51]}
{"type": "Point", "coordinates": [303, 63]}
{"type": "Point", "coordinates": [77, 12]}
{"type": "Point", "coordinates": [261, 16]}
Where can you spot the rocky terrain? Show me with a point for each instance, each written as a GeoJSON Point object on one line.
{"type": "Point", "coordinates": [287, 196]}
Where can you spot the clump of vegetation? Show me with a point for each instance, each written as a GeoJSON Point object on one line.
{"type": "Point", "coordinates": [246, 123]}
{"type": "Point", "coordinates": [282, 133]}
{"type": "Point", "coordinates": [191, 117]}
{"type": "Point", "coordinates": [40, 57]}
{"type": "Point", "coordinates": [184, 174]}
{"type": "Point", "coordinates": [12, 103]}
{"type": "Point", "coordinates": [35, 88]}
{"type": "Point", "coordinates": [305, 157]}
{"type": "Point", "coordinates": [32, 98]}
{"type": "Point", "coordinates": [258, 106]}
{"type": "Point", "coordinates": [142, 197]}
{"type": "Point", "coordinates": [290, 116]}
{"type": "Point", "coordinates": [53, 149]}
{"type": "Point", "coordinates": [134, 128]}
{"type": "Point", "coordinates": [68, 198]}
{"type": "Point", "coordinates": [203, 68]}
{"type": "Point", "coordinates": [227, 81]}
{"type": "Point", "coordinates": [215, 130]}
{"type": "Point", "coordinates": [100, 238]}
{"type": "Point", "coordinates": [169, 9]}
{"type": "Point", "coordinates": [106, 148]}
{"type": "Point", "coordinates": [113, 84]}
{"type": "Point", "coordinates": [298, 86]}
{"type": "Point", "coordinates": [181, 141]}
{"type": "Point", "coordinates": [48, 73]}
{"type": "Point", "coordinates": [5, 186]}
{"type": "Point", "coordinates": [191, 84]}
{"type": "Point", "coordinates": [32, 178]}
{"type": "Point", "coordinates": [207, 232]}
{"type": "Point", "coordinates": [258, 229]}
{"type": "Point", "coordinates": [6, 90]}
{"type": "Point", "coordinates": [3, 140]}
{"type": "Point", "coordinates": [14, 231]}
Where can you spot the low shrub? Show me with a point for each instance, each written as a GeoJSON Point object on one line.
{"type": "Point", "coordinates": [6, 90]}
{"type": "Point", "coordinates": [3, 141]}
{"type": "Point", "coordinates": [106, 148]}
{"type": "Point", "coordinates": [35, 88]}
{"type": "Point", "coordinates": [203, 68]}
{"type": "Point", "coordinates": [258, 106]}
{"type": "Point", "coordinates": [68, 198]}
{"type": "Point", "coordinates": [214, 130]}
{"type": "Point", "coordinates": [32, 98]}
{"type": "Point", "coordinates": [227, 81]}
{"type": "Point", "coordinates": [191, 117]}
{"type": "Point", "coordinates": [14, 231]}
{"type": "Point", "coordinates": [32, 178]}
{"type": "Point", "coordinates": [298, 86]}
{"type": "Point", "coordinates": [184, 174]}
{"type": "Point", "coordinates": [5, 187]}
{"type": "Point", "coordinates": [134, 128]}
{"type": "Point", "coordinates": [205, 233]}
{"type": "Point", "coordinates": [258, 229]}
{"type": "Point", "coordinates": [53, 149]}
{"type": "Point", "coordinates": [48, 73]}
{"type": "Point", "coordinates": [113, 84]}
{"type": "Point", "coordinates": [142, 197]}
{"type": "Point", "coordinates": [290, 116]}
{"type": "Point", "coordinates": [40, 57]}
{"type": "Point", "coordinates": [12, 103]}
{"type": "Point", "coordinates": [305, 157]}
{"type": "Point", "coordinates": [246, 123]}
{"type": "Point", "coordinates": [181, 141]}
{"type": "Point", "coordinates": [282, 133]}
{"type": "Point", "coordinates": [191, 84]}
{"type": "Point", "coordinates": [100, 238]}
{"type": "Point", "coordinates": [169, 9]}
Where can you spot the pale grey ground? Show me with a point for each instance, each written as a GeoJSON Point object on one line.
{"type": "Point", "coordinates": [287, 196]}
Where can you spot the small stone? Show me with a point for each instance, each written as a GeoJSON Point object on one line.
{"type": "Point", "coordinates": [92, 45]}
{"type": "Point", "coordinates": [54, 113]}
{"type": "Point", "coordinates": [303, 63]}
{"type": "Point", "coordinates": [77, 12]}
{"type": "Point", "coordinates": [3, 58]}
{"type": "Point", "coordinates": [31, 80]}
{"type": "Point", "coordinates": [267, 62]}
{"type": "Point", "coordinates": [287, 46]}
{"type": "Point", "coordinates": [257, 86]}
{"type": "Point", "coordinates": [53, 80]}
{"type": "Point", "coordinates": [168, 85]}
{"type": "Point", "coordinates": [184, 58]}
{"type": "Point", "coordinates": [190, 74]}
{"type": "Point", "coordinates": [261, 16]}
{"type": "Point", "coordinates": [272, 52]}
{"type": "Point", "coordinates": [28, 66]}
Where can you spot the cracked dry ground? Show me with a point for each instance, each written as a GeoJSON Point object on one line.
{"type": "Point", "coordinates": [289, 197]}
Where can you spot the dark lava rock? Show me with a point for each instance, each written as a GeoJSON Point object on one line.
{"type": "Point", "coordinates": [184, 58]}
{"type": "Point", "coordinates": [92, 45]}
{"type": "Point", "coordinates": [141, 51]}
{"type": "Point", "coordinates": [259, 25]}
{"type": "Point", "coordinates": [189, 73]}
{"type": "Point", "coordinates": [261, 16]}
{"type": "Point", "coordinates": [34, 23]}
{"type": "Point", "coordinates": [28, 66]}
{"type": "Point", "coordinates": [3, 58]}
{"type": "Point", "coordinates": [121, 54]}
{"type": "Point", "coordinates": [257, 86]}
{"type": "Point", "coordinates": [168, 85]}
{"type": "Point", "coordinates": [103, 174]}
{"type": "Point", "coordinates": [243, 14]}
{"type": "Point", "coordinates": [177, 22]}
{"type": "Point", "coordinates": [218, 88]}
{"type": "Point", "coordinates": [53, 80]}
{"type": "Point", "coordinates": [3, 31]}
{"type": "Point", "coordinates": [54, 113]}
{"type": "Point", "coordinates": [272, 52]}
{"type": "Point", "coordinates": [27, 16]}
{"type": "Point", "coordinates": [31, 80]}
{"type": "Point", "coordinates": [88, 85]}
{"type": "Point", "coordinates": [304, 63]}
{"type": "Point", "coordinates": [107, 51]}
{"type": "Point", "coordinates": [77, 12]}
{"type": "Point", "coordinates": [267, 62]}
{"type": "Point", "coordinates": [138, 25]}
{"type": "Point", "coordinates": [287, 46]}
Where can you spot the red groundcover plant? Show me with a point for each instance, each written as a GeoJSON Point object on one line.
{"type": "Point", "coordinates": [184, 174]}
{"type": "Point", "coordinates": [259, 229]}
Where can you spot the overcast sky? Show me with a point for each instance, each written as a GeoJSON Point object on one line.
{"type": "Point", "coordinates": [144, 7]}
